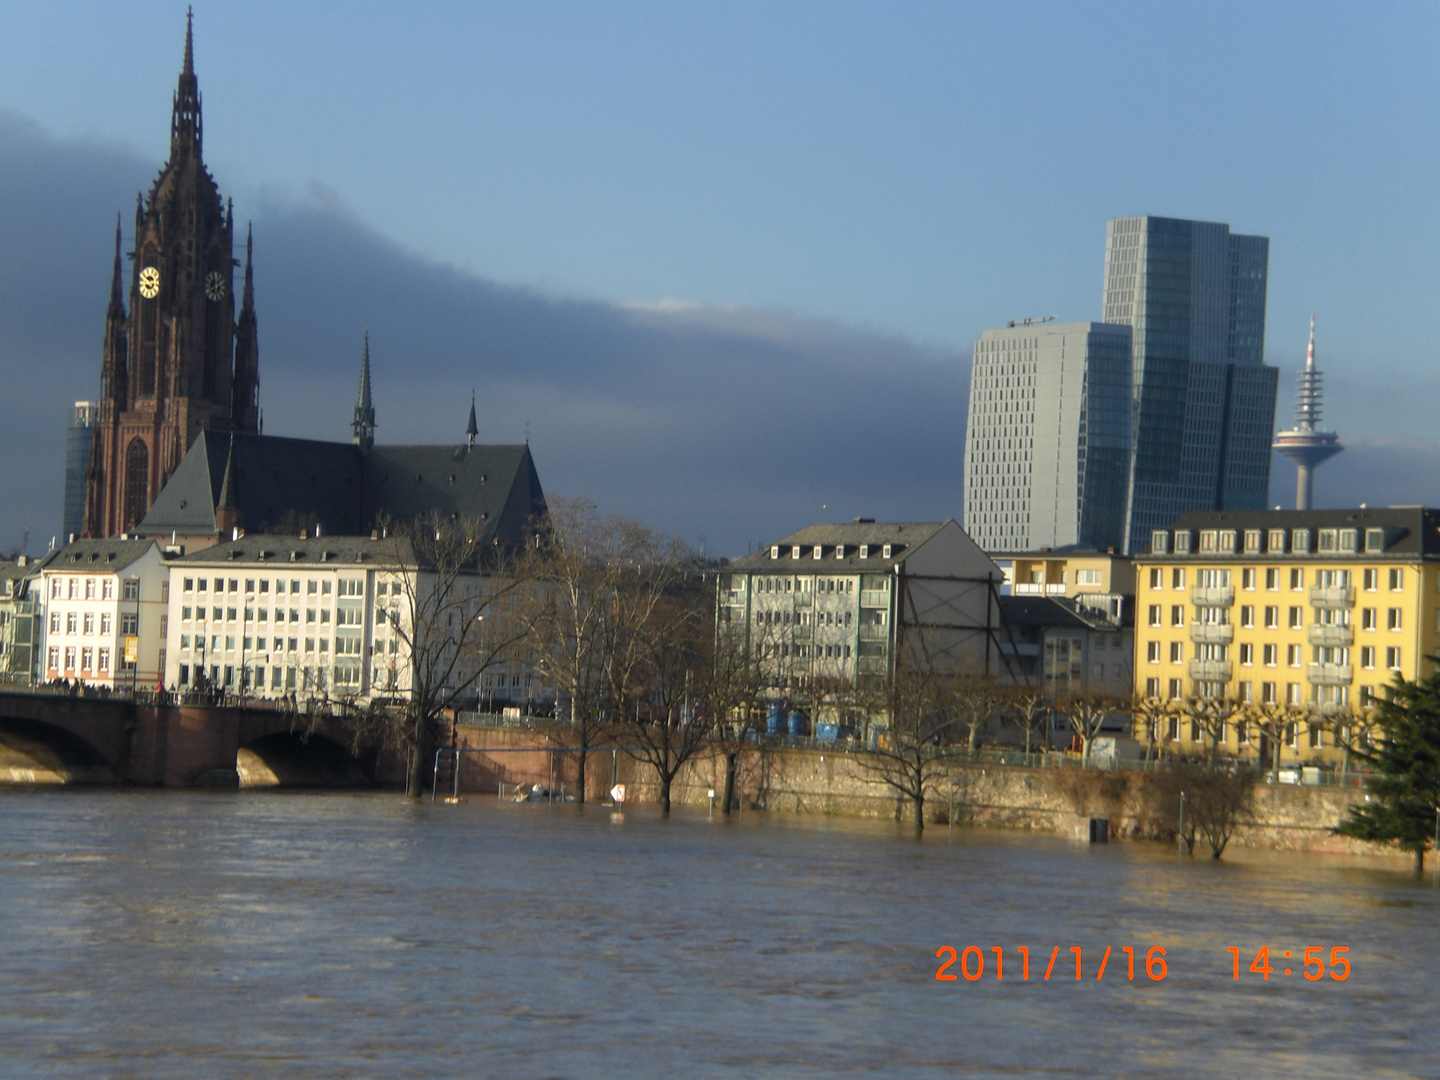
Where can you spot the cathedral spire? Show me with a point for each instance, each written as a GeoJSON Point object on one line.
{"type": "Point", "coordinates": [247, 298]}
{"type": "Point", "coordinates": [471, 430]}
{"type": "Point", "coordinates": [117, 287]}
{"type": "Point", "coordinates": [364, 423]}
{"type": "Point", "coordinates": [185, 125]}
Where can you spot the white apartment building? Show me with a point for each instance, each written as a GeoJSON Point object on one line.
{"type": "Point", "coordinates": [268, 616]}
{"type": "Point", "coordinates": [104, 622]}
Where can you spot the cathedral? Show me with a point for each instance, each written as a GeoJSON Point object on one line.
{"type": "Point", "coordinates": [181, 362]}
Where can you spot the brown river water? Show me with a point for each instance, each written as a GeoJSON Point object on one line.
{"type": "Point", "coordinates": [168, 934]}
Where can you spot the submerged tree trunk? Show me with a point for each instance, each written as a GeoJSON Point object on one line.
{"type": "Point", "coordinates": [580, 774]}
{"type": "Point", "coordinates": [665, 794]}
{"type": "Point", "coordinates": [918, 801]}
{"type": "Point", "coordinates": [730, 768]}
{"type": "Point", "coordinates": [422, 764]}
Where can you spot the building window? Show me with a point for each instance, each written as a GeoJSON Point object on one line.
{"type": "Point", "coordinates": [1277, 542]}
{"type": "Point", "coordinates": [1370, 579]}
{"type": "Point", "coordinates": [1292, 696]}
{"type": "Point", "coordinates": [1207, 540]}
{"type": "Point", "coordinates": [1247, 616]}
{"type": "Point", "coordinates": [1155, 617]}
{"type": "Point", "coordinates": [1152, 652]}
{"type": "Point", "coordinates": [1157, 578]}
{"type": "Point", "coordinates": [1252, 541]}
{"type": "Point", "coordinates": [1397, 579]}
{"type": "Point", "coordinates": [1392, 658]}
{"type": "Point", "coordinates": [1348, 538]}
{"type": "Point", "coordinates": [1327, 541]}
{"type": "Point", "coordinates": [1300, 541]}
{"type": "Point", "coordinates": [1267, 693]}
{"type": "Point", "coordinates": [1177, 578]}
{"type": "Point", "coordinates": [1247, 695]}
{"type": "Point", "coordinates": [1247, 578]}
{"type": "Point", "coordinates": [1272, 579]}
{"type": "Point", "coordinates": [107, 589]}
{"type": "Point", "coordinates": [1270, 655]}
{"type": "Point", "coordinates": [1392, 618]}
{"type": "Point", "coordinates": [1293, 655]}
{"type": "Point", "coordinates": [1152, 688]}
{"type": "Point", "coordinates": [1367, 656]}
{"type": "Point", "coordinates": [1297, 618]}
{"type": "Point", "coordinates": [129, 624]}
{"type": "Point", "coordinates": [105, 623]}
{"type": "Point", "coordinates": [1175, 694]}
{"type": "Point", "coordinates": [70, 622]}
{"type": "Point", "coordinates": [1297, 579]}
{"type": "Point", "coordinates": [1367, 618]}
{"type": "Point", "coordinates": [1177, 652]}
{"type": "Point", "coordinates": [1247, 654]}
{"type": "Point", "coordinates": [1177, 614]}
{"type": "Point", "coordinates": [1182, 542]}
{"type": "Point", "coordinates": [1159, 541]}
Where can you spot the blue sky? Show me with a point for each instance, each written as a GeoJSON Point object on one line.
{"type": "Point", "coordinates": [914, 171]}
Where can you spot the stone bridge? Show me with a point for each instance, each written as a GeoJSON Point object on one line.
{"type": "Point", "coordinates": [56, 738]}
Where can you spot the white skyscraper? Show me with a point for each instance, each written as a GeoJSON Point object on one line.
{"type": "Point", "coordinates": [1047, 445]}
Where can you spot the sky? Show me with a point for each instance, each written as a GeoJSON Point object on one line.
{"type": "Point", "coordinates": [724, 262]}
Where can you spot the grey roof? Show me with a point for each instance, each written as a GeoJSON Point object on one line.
{"type": "Point", "coordinates": [1410, 531]}
{"type": "Point", "coordinates": [904, 536]}
{"type": "Point", "coordinates": [284, 484]}
{"type": "Point", "coordinates": [11, 570]}
{"type": "Point", "coordinates": [294, 552]}
{"type": "Point", "coordinates": [109, 555]}
{"type": "Point", "coordinates": [1050, 612]}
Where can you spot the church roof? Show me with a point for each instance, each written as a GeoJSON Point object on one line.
{"type": "Point", "coordinates": [283, 485]}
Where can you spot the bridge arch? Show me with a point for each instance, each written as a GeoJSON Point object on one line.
{"type": "Point", "coordinates": [293, 759]}
{"type": "Point", "coordinates": [36, 752]}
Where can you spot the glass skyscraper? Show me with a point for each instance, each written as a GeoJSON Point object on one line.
{"type": "Point", "coordinates": [79, 429]}
{"type": "Point", "coordinates": [1204, 402]}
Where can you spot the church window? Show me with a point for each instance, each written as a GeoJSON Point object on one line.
{"type": "Point", "coordinates": [137, 481]}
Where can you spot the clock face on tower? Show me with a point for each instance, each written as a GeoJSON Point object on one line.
{"type": "Point", "coordinates": [149, 283]}
{"type": "Point", "coordinates": [214, 286]}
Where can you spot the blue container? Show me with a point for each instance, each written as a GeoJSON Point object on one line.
{"type": "Point", "coordinates": [827, 732]}
{"type": "Point", "coordinates": [798, 724]}
{"type": "Point", "coordinates": [775, 721]}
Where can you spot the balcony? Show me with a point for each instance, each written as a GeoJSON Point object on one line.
{"type": "Point", "coordinates": [1332, 634]}
{"type": "Point", "coordinates": [800, 633]}
{"type": "Point", "coordinates": [803, 599]}
{"type": "Point", "coordinates": [872, 632]}
{"type": "Point", "coordinates": [1332, 596]}
{"type": "Point", "coordinates": [1330, 674]}
{"type": "Point", "coordinates": [874, 598]}
{"type": "Point", "coordinates": [1210, 670]}
{"type": "Point", "coordinates": [1203, 633]}
{"type": "Point", "coordinates": [1212, 595]}
{"type": "Point", "coordinates": [1033, 588]}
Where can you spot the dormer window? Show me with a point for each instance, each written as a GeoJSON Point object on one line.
{"type": "Point", "coordinates": [1227, 541]}
{"type": "Point", "coordinates": [774, 551]}
{"type": "Point", "coordinates": [795, 551]}
{"type": "Point", "coordinates": [1348, 540]}
{"type": "Point", "coordinates": [1277, 542]}
{"type": "Point", "coordinates": [1252, 541]}
{"type": "Point", "coordinates": [1375, 540]}
{"type": "Point", "coordinates": [1182, 541]}
{"type": "Point", "coordinates": [1159, 542]}
{"type": "Point", "coordinates": [819, 551]}
{"type": "Point", "coordinates": [864, 551]}
{"type": "Point", "coordinates": [886, 550]}
{"type": "Point", "coordinates": [1300, 541]}
{"type": "Point", "coordinates": [839, 551]}
{"type": "Point", "coordinates": [1207, 540]}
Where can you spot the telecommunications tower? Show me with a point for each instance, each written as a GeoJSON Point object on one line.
{"type": "Point", "coordinates": [1305, 444]}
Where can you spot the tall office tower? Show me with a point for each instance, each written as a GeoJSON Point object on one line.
{"type": "Point", "coordinates": [1047, 446]}
{"type": "Point", "coordinates": [1204, 400]}
{"type": "Point", "coordinates": [1306, 444]}
{"type": "Point", "coordinates": [77, 454]}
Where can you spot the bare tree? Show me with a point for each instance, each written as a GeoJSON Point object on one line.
{"type": "Point", "coordinates": [1273, 719]}
{"type": "Point", "coordinates": [456, 609]}
{"type": "Point", "coordinates": [1211, 716]}
{"type": "Point", "coordinates": [735, 686]}
{"type": "Point", "coordinates": [1149, 715]}
{"type": "Point", "coordinates": [1087, 715]}
{"type": "Point", "coordinates": [910, 755]}
{"type": "Point", "coordinates": [1031, 711]}
{"type": "Point", "coordinates": [972, 702]}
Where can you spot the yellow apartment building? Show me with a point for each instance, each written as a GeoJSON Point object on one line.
{"type": "Point", "coordinates": [1093, 579]}
{"type": "Point", "coordinates": [1298, 616]}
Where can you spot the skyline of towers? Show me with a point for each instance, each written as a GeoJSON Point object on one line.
{"type": "Point", "coordinates": [1204, 400]}
{"type": "Point", "coordinates": [1306, 444]}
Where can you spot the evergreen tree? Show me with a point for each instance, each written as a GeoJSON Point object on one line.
{"type": "Point", "coordinates": [1405, 792]}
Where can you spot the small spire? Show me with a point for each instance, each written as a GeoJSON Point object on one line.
{"type": "Point", "coordinates": [471, 430]}
{"type": "Point", "coordinates": [247, 298]}
{"type": "Point", "coordinates": [1310, 349]}
{"type": "Point", "coordinates": [117, 291]}
{"type": "Point", "coordinates": [363, 425]}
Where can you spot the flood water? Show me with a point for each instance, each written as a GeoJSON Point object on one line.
{"type": "Point", "coordinates": [166, 934]}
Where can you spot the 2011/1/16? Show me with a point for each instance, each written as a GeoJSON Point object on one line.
{"type": "Point", "coordinates": [1154, 962]}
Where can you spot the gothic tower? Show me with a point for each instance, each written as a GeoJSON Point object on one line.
{"type": "Point", "coordinates": [179, 362]}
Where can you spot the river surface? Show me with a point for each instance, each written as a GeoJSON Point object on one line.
{"type": "Point", "coordinates": [168, 934]}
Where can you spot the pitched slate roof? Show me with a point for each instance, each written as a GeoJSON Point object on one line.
{"type": "Point", "coordinates": [280, 484]}
{"type": "Point", "coordinates": [1411, 531]}
{"type": "Point", "coordinates": [903, 537]}
{"type": "Point", "coordinates": [109, 555]}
